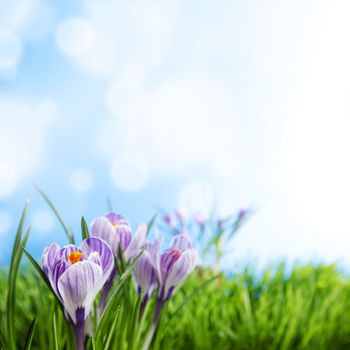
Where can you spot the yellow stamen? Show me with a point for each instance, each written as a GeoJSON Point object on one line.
{"type": "Point", "coordinates": [74, 257]}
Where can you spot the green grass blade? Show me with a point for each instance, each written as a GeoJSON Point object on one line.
{"type": "Point", "coordinates": [151, 223]}
{"type": "Point", "coordinates": [14, 265]}
{"type": "Point", "coordinates": [30, 334]}
{"type": "Point", "coordinates": [42, 275]}
{"type": "Point", "coordinates": [58, 216]}
{"type": "Point", "coordinates": [55, 331]}
{"type": "Point", "coordinates": [110, 307]}
{"type": "Point", "coordinates": [84, 229]}
{"type": "Point", "coordinates": [134, 334]}
{"type": "Point", "coordinates": [109, 205]}
{"type": "Point", "coordinates": [111, 330]}
{"type": "Point", "coordinates": [193, 294]}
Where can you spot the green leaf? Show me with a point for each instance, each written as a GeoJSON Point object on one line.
{"type": "Point", "coordinates": [43, 276]}
{"type": "Point", "coordinates": [55, 331]}
{"type": "Point", "coordinates": [112, 328]}
{"type": "Point", "coordinates": [134, 335]}
{"type": "Point", "coordinates": [14, 265]}
{"type": "Point", "coordinates": [29, 339]}
{"type": "Point", "coordinates": [113, 296]}
{"type": "Point", "coordinates": [58, 216]}
{"type": "Point", "coordinates": [84, 229]}
{"type": "Point", "coordinates": [151, 223]}
{"type": "Point", "coordinates": [193, 294]}
{"type": "Point", "coordinates": [109, 205]}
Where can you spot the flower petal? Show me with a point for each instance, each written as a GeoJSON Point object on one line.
{"type": "Point", "coordinates": [117, 219]}
{"type": "Point", "coordinates": [102, 228]}
{"type": "Point", "coordinates": [96, 245]}
{"type": "Point", "coordinates": [178, 271]}
{"type": "Point", "coordinates": [145, 274]}
{"type": "Point", "coordinates": [167, 259]}
{"type": "Point", "coordinates": [137, 242]}
{"type": "Point", "coordinates": [78, 287]}
{"type": "Point", "coordinates": [49, 258]}
{"type": "Point", "coordinates": [181, 241]}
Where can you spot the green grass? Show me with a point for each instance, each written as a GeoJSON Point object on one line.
{"type": "Point", "coordinates": [307, 308]}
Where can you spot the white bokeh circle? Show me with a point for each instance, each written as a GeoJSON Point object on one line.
{"type": "Point", "coordinates": [10, 50]}
{"type": "Point", "coordinates": [196, 197]}
{"type": "Point", "coordinates": [76, 37]}
{"type": "Point", "coordinates": [43, 221]}
{"type": "Point", "coordinates": [130, 172]}
{"type": "Point", "coordinates": [81, 180]}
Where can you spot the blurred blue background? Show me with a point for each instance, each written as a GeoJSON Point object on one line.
{"type": "Point", "coordinates": [189, 104]}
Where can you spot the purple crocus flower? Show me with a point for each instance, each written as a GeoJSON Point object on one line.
{"type": "Point", "coordinates": [176, 264]}
{"type": "Point", "coordinates": [115, 230]}
{"type": "Point", "coordinates": [76, 275]}
{"type": "Point", "coordinates": [165, 271]}
{"type": "Point", "coordinates": [169, 219]}
{"type": "Point", "coordinates": [146, 271]}
{"type": "Point", "coordinates": [200, 219]}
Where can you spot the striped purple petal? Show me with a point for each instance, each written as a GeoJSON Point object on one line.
{"type": "Point", "coordinates": [145, 274]}
{"type": "Point", "coordinates": [95, 245]}
{"type": "Point", "coordinates": [167, 259]}
{"type": "Point", "coordinates": [136, 243]}
{"type": "Point", "coordinates": [175, 267]}
{"type": "Point", "coordinates": [48, 259]}
{"type": "Point", "coordinates": [102, 228]}
{"type": "Point", "coordinates": [181, 241]}
{"type": "Point", "coordinates": [117, 219]}
{"type": "Point", "coordinates": [78, 287]}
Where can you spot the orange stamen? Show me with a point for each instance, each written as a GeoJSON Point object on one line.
{"type": "Point", "coordinates": [74, 257]}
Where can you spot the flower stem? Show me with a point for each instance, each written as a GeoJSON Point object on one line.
{"type": "Point", "coordinates": [150, 334]}
{"type": "Point", "coordinates": [79, 336]}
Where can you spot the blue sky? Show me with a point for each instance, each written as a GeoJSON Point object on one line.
{"type": "Point", "coordinates": [187, 104]}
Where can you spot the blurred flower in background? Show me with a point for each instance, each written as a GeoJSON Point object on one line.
{"type": "Point", "coordinates": [152, 104]}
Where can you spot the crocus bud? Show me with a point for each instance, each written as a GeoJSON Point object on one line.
{"type": "Point", "coordinates": [200, 219]}
{"type": "Point", "coordinates": [176, 264]}
{"type": "Point", "coordinates": [146, 269]}
{"type": "Point", "coordinates": [180, 215]}
{"type": "Point", "coordinates": [169, 220]}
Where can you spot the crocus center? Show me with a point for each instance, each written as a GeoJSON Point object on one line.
{"type": "Point", "coordinates": [74, 257]}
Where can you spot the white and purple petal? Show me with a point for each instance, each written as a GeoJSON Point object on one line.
{"type": "Point", "coordinates": [181, 241]}
{"type": "Point", "coordinates": [102, 228]}
{"type": "Point", "coordinates": [48, 259]}
{"type": "Point", "coordinates": [175, 268]}
{"type": "Point", "coordinates": [78, 287]}
{"type": "Point", "coordinates": [145, 274]}
{"type": "Point", "coordinates": [136, 243]}
{"type": "Point", "coordinates": [94, 245]}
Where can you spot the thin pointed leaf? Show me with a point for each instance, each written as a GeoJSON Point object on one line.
{"type": "Point", "coordinates": [134, 335]}
{"type": "Point", "coordinates": [84, 229]}
{"type": "Point", "coordinates": [30, 334]}
{"type": "Point", "coordinates": [55, 332]}
{"type": "Point", "coordinates": [193, 294]}
{"type": "Point", "coordinates": [58, 216]}
{"type": "Point", "coordinates": [151, 223]}
{"type": "Point", "coordinates": [42, 275]}
{"type": "Point", "coordinates": [111, 330]}
{"type": "Point", "coordinates": [109, 205]}
{"type": "Point", "coordinates": [14, 265]}
{"type": "Point", "coordinates": [106, 315]}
